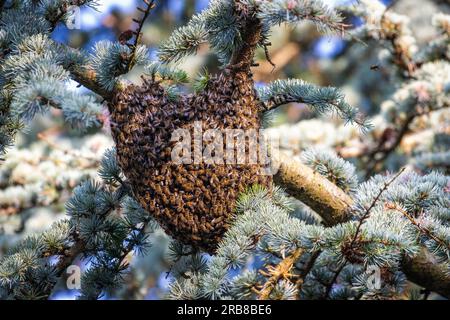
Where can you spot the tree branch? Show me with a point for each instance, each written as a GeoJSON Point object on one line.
{"type": "Point", "coordinates": [426, 272]}
{"type": "Point", "coordinates": [333, 205]}
{"type": "Point", "coordinates": [150, 4]}
{"type": "Point", "coordinates": [88, 78]}
{"type": "Point", "coordinates": [301, 182]}
{"type": "Point", "coordinates": [242, 58]}
{"type": "Point", "coordinates": [385, 148]}
{"type": "Point", "coordinates": [64, 9]}
{"type": "Point", "coordinates": [280, 271]}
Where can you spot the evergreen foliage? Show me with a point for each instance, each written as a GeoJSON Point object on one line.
{"type": "Point", "coordinates": [275, 247]}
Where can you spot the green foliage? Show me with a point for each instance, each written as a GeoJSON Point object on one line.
{"type": "Point", "coordinates": [33, 73]}
{"type": "Point", "coordinates": [390, 218]}
{"type": "Point", "coordinates": [222, 29]}
{"type": "Point", "coordinates": [105, 225]}
{"type": "Point", "coordinates": [164, 72]}
{"type": "Point", "coordinates": [286, 11]}
{"type": "Point", "coordinates": [201, 81]}
{"type": "Point", "coordinates": [320, 99]}
{"type": "Point", "coordinates": [335, 169]}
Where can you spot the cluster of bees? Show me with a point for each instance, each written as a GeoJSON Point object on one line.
{"type": "Point", "coordinates": [193, 202]}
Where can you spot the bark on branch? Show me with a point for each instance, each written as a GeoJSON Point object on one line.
{"type": "Point", "coordinates": [320, 194]}
{"type": "Point", "coordinates": [426, 272]}
{"type": "Point", "coordinates": [88, 78]}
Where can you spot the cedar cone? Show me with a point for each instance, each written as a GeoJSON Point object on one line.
{"type": "Point", "coordinates": [192, 202]}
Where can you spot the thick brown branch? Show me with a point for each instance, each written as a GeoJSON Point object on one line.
{"type": "Point", "coordinates": [311, 188]}
{"type": "Point", "coordinates": [424, 270]}
{"type": "Point", "coordinates": [88, 78]}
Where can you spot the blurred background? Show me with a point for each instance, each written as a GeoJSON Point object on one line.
{"type": "Point", "coordinates": [50, 159]}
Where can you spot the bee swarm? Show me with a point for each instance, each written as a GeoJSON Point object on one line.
{"type": "Point", "coordinates": [192, 202]}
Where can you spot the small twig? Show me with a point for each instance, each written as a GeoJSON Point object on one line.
{"type": "Point", "coordinates": [280, 271]}
{"type": "Point", "coordinates": [413, 221]}
{"type": "Point", "coordinates": [364, 217]}
{"type": "Point", "coordinates": [381, 148]}
{"type": "Point", "coordinates": [366, 214]}
{"type": "Point", "coordinates": [138, 33]}
{"type": "Point", "coordinates": [266, 52]}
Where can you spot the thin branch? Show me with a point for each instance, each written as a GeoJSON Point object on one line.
{"type": "Point", "coordinates": [276, 273]}
{"type": "Point", "coordinates": [138, 33]}
{"type": "Point", "coordinates": [361, 221]}
{"type": "Point", "coordinates": [385, 151]}
{"type": "Point", "coordinates": [375, 161]}
{"type": "Point", "coordinates": [366, 214]}
{"type": "Point", "coordinates": [413, 221]}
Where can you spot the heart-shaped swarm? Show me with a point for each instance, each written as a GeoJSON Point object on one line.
{"type": "Point", "coordinates": [192, 202]}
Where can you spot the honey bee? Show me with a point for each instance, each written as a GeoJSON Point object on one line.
{"type": "Point", "coordinates": [217, 220]}
{"type": "Point", "coordinates": [188, 186]}
{"type": "Point", "coordinates": [151, 206]}
{"type": "Point", "coordinates": [190, 205]}
{"type": "Point", "coordinates": [158, 189]}
{"type": "Point", "coordinates": [207, 195]}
